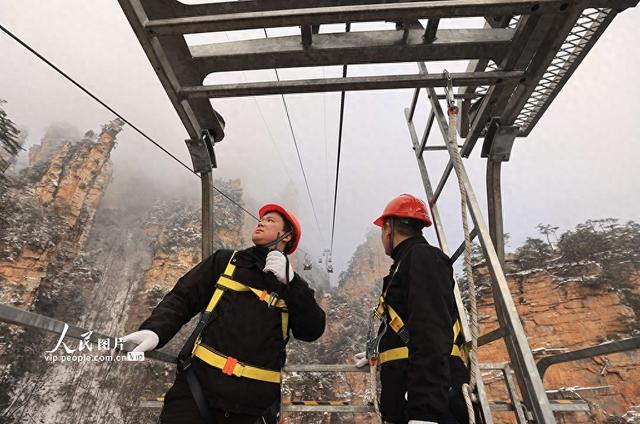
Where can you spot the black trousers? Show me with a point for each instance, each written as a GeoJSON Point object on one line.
{"type": "Point", "coordinates": [455, 414]}
{"type": "Point", "coordinates": [180, 408]}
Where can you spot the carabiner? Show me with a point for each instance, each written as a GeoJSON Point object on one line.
{"type": "Point", "coordinates": [448, 89]}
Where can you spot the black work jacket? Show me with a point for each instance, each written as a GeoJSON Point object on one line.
{"type": "Point", "coordinates": [421, 292]}
{"type": "Point", "coordinates": [241, 326]}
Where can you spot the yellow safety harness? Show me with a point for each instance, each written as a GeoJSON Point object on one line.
{"type": "Point", "coordinates": [227, 364]}
{"type": "Point", "coordinates": [385, 311]}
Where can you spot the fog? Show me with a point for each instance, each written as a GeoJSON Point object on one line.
{"type": "Point", "coordinates": [579, 162]}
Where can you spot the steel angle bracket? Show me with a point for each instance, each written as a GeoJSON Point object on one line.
{"type": "Point", "coordinates": [202, 154]}
{"type": "Point", "coordinates": [498, 141]}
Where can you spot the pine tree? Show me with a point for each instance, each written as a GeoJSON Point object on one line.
{"type": "Point", "coordinates": [8, 132]}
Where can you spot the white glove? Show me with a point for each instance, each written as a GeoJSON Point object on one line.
{"type": "Point", "coordinates": [421, 422]}
{"type": "Point", "coordinates": [276, 264]}
{"type": "Point", "coordinates": [146, 339]}
{"type": "Point", "coordinates": [361, 359]}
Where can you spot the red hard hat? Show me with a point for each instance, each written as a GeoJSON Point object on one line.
{"type": "Point", "coordinates": [405, 206]}
{"type": "Point", "coordinates": [289, 216]}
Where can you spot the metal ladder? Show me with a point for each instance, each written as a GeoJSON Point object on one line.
{"type": "Point", "coordinates": [536, 403]}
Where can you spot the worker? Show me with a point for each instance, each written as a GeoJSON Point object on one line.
{"type": "Point", "coordinates": [229, 369]}
{"type": "Point", "coordinates": [418, 344]}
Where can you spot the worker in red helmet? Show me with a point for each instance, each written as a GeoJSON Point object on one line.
{"type": "Point", "coordinates": [249, 300]}
{"type": "Point", "coordinates": [418, 343]}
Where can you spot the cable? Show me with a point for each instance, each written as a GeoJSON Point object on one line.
{"type": "Point", "coordinates": [110, 109]}
{"type": "Point", "coordinates": [234, 202]}
{"type": "Point", "coordinates": [335, 194]}
{"type": "Point", "coordinates": [266, 124]}
{"type": "Point", "coordinates": [61, 72]}
{"type": "Point", "coordinates": [295, 143]}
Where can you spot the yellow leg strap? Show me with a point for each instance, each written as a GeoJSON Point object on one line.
{"type": "Point", "coordinates": [403, 353]}
{"type": "Point", "coordinates": [455, 351]}
{"type": "Point", "coordinates": [393, 354]}
{"type": "Point", "coordinates": [396, 322]}
{"type": "Point", "coordinates": [231, 366]}
{"type": "Point", "coordinates": [285, 325]}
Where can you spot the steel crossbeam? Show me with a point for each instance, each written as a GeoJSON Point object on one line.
{"type": "Point", "coordinates": [548, 41]}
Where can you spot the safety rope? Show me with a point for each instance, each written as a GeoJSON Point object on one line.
{"type": "Point", "coordinates": [452, 144]}
{"type": "Point", "coordinates": [373, 381]}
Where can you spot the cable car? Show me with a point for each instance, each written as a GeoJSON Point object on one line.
{"type": "Point", "coordinates": [307, 265]}
{"type": "Point", "coordinates": [329, 263]}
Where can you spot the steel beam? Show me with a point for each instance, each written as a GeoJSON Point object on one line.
{"type": "Point", "coordinates": [491, 336]}
{"type": "Point", "coordinates": [443, 180]}
{"type": "Point", "coordinates": [539, 65]}
{"type": "Point", "coordinates": [558, 83]}
{"type": "Point", "coordinates": [494, 204]}
{"type": "Point", "coordinates": [437, 148]}
{"type": "Point", "coordinates": [170, 59]}
{"type": "Point", "coordinates": [558, 405]}
{"type": "Point", "coordinates": [350, 48]}
{"type": "Point", "coordinates": [341, 84]}
{"type": "Point", "coordinates": [177, 9]}
{"type": "Point", "coordinates": [529, 380]}
{"type": "Point", "coordinates": [513, 395]}
{"type": "Point", "coordinates": [350, 409]}
{"type": "Point", "coordinates": [208, 222]}
{"type": "Point", "coordinates": [12, 315]}
{"type": "Point", "coordinates": [589, 352]}
{"type": "Point", "coordinates": [430, 32]}
{"type": "Point", "coordinates": [305, 34]}
{"type": "Point", "coordinates": [531, 33]}
{"type": "Point", "coordinates": [324, 368]}
{"type": "Point", "coordinates": [425, 134]}
{"type": "Point", "coordinates": [460, 248]}
{"type": "Point", "coordinates": [394, 12]}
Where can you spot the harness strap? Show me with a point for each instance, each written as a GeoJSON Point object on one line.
{"type": "Point", "coordinates": [403, 353]}
{"type": "Point", "coordinates": [231, 366]}
{"type": "Point", "coordinates": [226, 282]}
{"type": "Point", "coordinates": [271, 298]}
{"type": "Point", "coordinates": [199, 397]}
{"type": "Point", "coordinates": [398, 326]}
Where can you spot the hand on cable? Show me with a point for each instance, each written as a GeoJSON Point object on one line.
{"type": "Point", "coordinates": [277, 265]}
{"type": "Point", "coordinates": [146, 340]}
{"type": "Point", "coordinates": [361, 359]}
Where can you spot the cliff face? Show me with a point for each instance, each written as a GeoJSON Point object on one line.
{"type": "Point", "coordinates": [48, 213]}
{"type": "Point", "coordinates": [560, 313]}
{"type": "Point", "coordinates": [105, 277]}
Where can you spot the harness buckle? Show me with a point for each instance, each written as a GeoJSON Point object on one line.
{"type": "Point", "coordinates": [185, 363]}
{"type": "Point", "coordinates": [404, 335]}
{"type": "Point", "coordinates": [229, 365]}
{"type": "Point", "coordinates": [373, 342]}
{"type": "Point", "coordinates": [273, 300]}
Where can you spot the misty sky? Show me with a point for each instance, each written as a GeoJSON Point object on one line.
{"type": "Point", "coordinates": [579, 162]}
